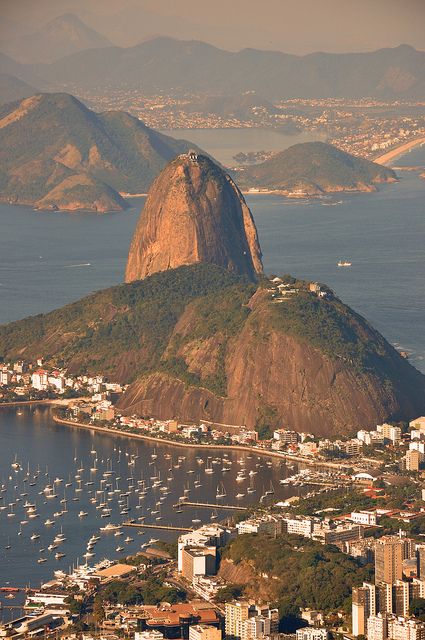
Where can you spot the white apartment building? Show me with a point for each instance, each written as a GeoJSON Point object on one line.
{"type": "Point", "coordinates": [204, 632]}
{"type": "Point", "coordinates": [301, 527]}
{"type": "Point", "coordinates": [284, 436]}
{"type": "Point", "coordinates": [405, 629]}
{"type": "Point", "coordinates": [377, 627]}
{"type": "Point", "coordinates": [364, 517]}
{"type": "Point", "coordinates": [206, 536]}
{"type": "Point", "coordinates": [312, 633]}
{"type": "Point", "coordinates": [391, 433]}
{"type": "Point", "coordinates": [151, 634]}
{"type": "Point", "coordinates": [248, 621]}
{"type": "Point", "coordinates": [40, 379]}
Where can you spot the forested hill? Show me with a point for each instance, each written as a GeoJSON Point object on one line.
{"type": "Point", "coordinates": [315, 168]}
{"type": "Point", "coordinates": [197, 343]}
{"type": "Point", "coordinates": [57, 153]}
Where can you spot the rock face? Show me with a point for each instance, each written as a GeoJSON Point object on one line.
{"type": "Point", "coordinates": [199, 343]}
{"type": "Point", "coordinates": [194, 213]}
{"type": "Point", "coordinates": [275, 378]}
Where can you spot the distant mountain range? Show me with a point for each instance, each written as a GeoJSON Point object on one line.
{"type": "Point", "coordinates": [60, 37]}
{"type": "Point", "coordinates": [12, 88]}
{"type": "Point", "coordinates": [56, 153]}
{"type": "Point", "coordinates": [162, 64]}
{"type": "Point", "coordinates": [314, 168]}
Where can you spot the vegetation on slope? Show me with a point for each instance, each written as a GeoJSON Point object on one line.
{"type": "Point", "coordinates": [330, 326]}
{"type": "Point", "coordinates": [315, 167]}
{"type": "Point", "coordinates": [132, 321]}
{"type": "Point", "coordinates": [50, 137]}
{"type": "Point", "coordinates": [130, 330]}
{"type": "Point", "coordinates": [305, 573]}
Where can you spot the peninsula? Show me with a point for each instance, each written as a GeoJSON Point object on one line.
{"type": "Point", "coordinates": [207, 337]}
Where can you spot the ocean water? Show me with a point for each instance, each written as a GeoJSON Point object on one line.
{"type": "Point", "coordinates": [31, 436]}
{"type": "Point", "coordinates": [49, 259]}
{"type": "Point", "coordinates": [223, 144]}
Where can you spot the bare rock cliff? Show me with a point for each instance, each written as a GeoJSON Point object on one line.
{"type": "Point", "coordinates": [194, 213]}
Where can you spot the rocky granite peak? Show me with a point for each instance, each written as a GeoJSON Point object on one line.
{"type": "Point", "coordinates": [194, 213]}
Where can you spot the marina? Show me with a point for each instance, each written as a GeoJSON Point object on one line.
{"type": "Point", "coordinates": [58, 513]}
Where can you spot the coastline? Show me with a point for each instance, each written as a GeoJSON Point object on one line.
{"type": "Point", "coordinates": [60, 402]}
{"type": "Point", "coordinates": [23, 403]}
{"type": "Point", "coordinates": [398, 151]}
{"type": "Point", "coordinates": [189, 445]}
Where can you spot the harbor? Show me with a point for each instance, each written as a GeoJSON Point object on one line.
{"type": "Point", "coordinates": [109, 497]}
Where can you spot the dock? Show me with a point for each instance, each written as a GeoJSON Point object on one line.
{"type": "Point", "coordinates": [207, 505]}
{"type": "Point", "coordinates": [164, 527]}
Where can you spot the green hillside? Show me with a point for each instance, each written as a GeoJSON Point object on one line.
{"type": "Point", "coordinates": [315, 167]}
{"type": "Point", "coordinates": [47, 138]}
{"type": "Point", "coordinates": [197, 342]}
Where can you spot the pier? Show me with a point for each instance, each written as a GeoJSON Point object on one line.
{"type": "Point", "coordinates": [207, 505]}
{"type": "Point", "coordinates": [166, 527]}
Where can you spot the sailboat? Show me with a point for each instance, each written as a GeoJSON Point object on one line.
{"type": "Point", "coordinates": [221, 491]}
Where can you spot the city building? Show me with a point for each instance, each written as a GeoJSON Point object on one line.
{"type": "Point", "coordinates": [205, 536]}
{"type": "Point", "coordinates": [249, 621]}
{"type": "Point", "coordinates": [363, 606]}
{"type": "Point", "coordinates": [413, 459]}
{"type": "Point", "coordinates": [364, 517]}
{"type": "Point", "coordinates": [152, 634]}
{"type": "Point", "coordinates": [391, 433]}
{"type": "Point", "coordinates": [377, 627]}
{"type": "Point", "coordinates": [204, 632]}
{"type": "Point", "coordinates": [311, 633]}
{"type": "Point", "coordinates": [198, 561]}
{"type": "Point", "coordinates": [390, 551]}
{"type": "Point", "coordinates": [284, 436]}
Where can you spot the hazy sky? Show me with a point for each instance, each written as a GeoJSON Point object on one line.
{"type": "Point", "coordinates": [295, 26]}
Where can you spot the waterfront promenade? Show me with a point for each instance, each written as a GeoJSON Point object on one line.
{"type": "Point", "coordinates": [190, 445]}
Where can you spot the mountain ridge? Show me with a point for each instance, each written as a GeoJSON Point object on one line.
{"type": "Point", "coordinates": [198, 342]}
{"type": "Point", "coordinates": [46, 138]}
{"type": "Point", "coordinates": [161, 64]}
{"type": "Point", "coordinates": [61, 36]}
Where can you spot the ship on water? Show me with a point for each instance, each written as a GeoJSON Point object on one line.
{"type": "Point", "coordinates": [344, 263]}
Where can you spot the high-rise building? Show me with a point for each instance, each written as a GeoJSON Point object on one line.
{"type": "Point", "coordinates": [377, 627]}
{"type": "Point", "coordinates": [401, 598]}
{"type": "Point", "coordinates": [390, 551]}
{"type": "Point", "coordinates": [204, 632]}
{"type": "Point", "coordinates": [384, 597]}
{"type": "Point", "coordinates": [247, 621]}
{"type": "Point", "coordinates": [420, 558]}
{"type": "Point", "coordinates": [364, 605]}
{"type": "Point", "coordinates": [198, 561]}
{"type": "Point", "coordinates": [413, 459]}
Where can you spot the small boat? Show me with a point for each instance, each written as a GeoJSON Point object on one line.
{"type": "Point", "coordinates": [344, 263]}
{"type": "Point", "coordinates": [41, 560]}
{"type": "Point", "coordinates": [59, 555]}
{"type": "Point", "coordinates": [83, 514]}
